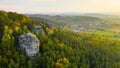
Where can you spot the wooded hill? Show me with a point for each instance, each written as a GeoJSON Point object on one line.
{"type": "Point", "coordinates": [58, 48]}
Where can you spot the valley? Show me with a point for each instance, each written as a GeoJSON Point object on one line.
{"type": "Point", "coordinates": [100, 24]}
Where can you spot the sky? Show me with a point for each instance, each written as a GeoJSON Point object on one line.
{"type": "Point", "coordinates": [61, 6]}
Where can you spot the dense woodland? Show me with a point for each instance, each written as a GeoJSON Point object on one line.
{"type": "Point", "coordinates": [58, 48]}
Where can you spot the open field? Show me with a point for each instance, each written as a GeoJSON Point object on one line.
{"type": "Point", "coordinates": [107, 34]}
{"type": "Point", "coordinates": [115, 29]}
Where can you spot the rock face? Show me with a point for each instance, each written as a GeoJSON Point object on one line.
{"type": "Point", "coordinates": [38, 29]}
{"type": "Point", "coordinates": [29, 44]}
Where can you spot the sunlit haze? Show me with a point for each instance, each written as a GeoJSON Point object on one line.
{"type": "Point", "coordinates": [61, 6]}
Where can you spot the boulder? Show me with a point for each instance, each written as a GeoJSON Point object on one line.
{"type": "Point", "coordinates": [29, 44]}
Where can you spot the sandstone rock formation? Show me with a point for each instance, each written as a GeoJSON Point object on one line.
{"type": "Point", "coordinates": [29, 44]}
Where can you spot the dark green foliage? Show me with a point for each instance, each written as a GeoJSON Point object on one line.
{"type": "Point", "coordinates": [58, 48]}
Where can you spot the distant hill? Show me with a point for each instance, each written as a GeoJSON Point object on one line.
{"type": "Point", "coordinates": [76, 22]}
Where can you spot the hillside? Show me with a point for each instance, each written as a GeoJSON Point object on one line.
{"type": "Point", "coordinates": [58, 48]}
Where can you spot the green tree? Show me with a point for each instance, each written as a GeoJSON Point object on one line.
{"type": "Point", "coordinates": [29, 64]}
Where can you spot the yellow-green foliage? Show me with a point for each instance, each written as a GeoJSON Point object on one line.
{"type": "Point", "coordinates": [58, 48]}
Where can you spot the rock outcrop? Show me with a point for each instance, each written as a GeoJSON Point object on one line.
{"type": "Point", "coordinates": [29, 44]}
{"type": "Point", "coordinates": [49, 26]}
{"type": "Point", "coordinates": [38, 30]}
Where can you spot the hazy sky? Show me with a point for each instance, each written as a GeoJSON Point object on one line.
{"type": "Point", "coordinates": [78, 6]}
